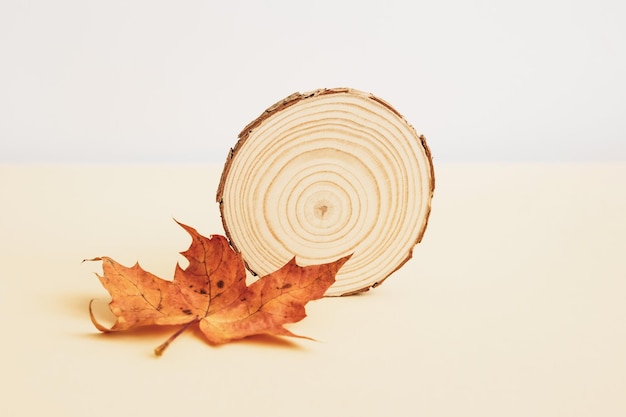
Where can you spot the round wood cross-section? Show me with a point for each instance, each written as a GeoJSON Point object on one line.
{"type": "Point", "coordinates": [325, 174]}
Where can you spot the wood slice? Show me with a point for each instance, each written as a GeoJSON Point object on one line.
{"type": "Point", "coordinates": [325, 174]}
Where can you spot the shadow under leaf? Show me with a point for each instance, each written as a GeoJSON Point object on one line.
{"type": "Point", "coordinates": [80, 304]}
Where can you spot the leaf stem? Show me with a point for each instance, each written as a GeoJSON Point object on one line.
{"type": "Point", "coordinates": [158, 351]}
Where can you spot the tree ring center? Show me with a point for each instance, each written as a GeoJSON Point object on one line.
{"type": "Point", "coordinates": [323, 209]}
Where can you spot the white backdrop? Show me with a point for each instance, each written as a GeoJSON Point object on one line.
{"type": "Point", "coordinates": [174, 82]}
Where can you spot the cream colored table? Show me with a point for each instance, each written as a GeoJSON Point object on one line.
{"type": "Point", "coordinates": [514, 304]}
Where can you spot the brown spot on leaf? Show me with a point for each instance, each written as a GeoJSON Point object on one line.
{"type": "Point", "coordinates": [220, 284]}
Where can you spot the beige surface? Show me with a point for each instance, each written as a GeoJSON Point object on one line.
{"type": "Point", "coordinates": [512, 306]}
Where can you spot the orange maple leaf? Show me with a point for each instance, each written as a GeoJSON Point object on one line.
{"type": "Point", "coordinates": [212, 292]}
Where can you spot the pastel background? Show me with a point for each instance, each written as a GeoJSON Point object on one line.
{"type": "Point", "coordinates": [175, 82]}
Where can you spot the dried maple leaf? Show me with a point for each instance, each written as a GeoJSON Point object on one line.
{"type": "Point", "coordinates": [212, 292]}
